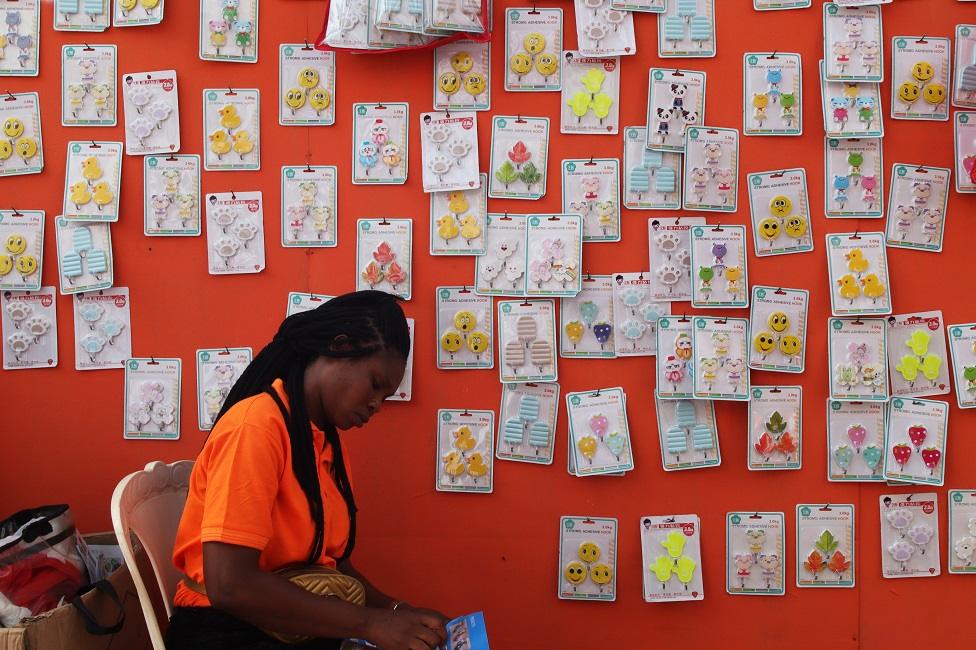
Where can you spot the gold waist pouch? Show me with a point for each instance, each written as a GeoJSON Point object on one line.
{"type": "Point", "coordinates": [319, 580]}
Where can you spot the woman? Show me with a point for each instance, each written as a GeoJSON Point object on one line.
{"type": "Point", "coordinates": [270, 489]}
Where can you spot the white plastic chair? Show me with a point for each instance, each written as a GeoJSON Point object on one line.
{"type": "Point", "coordinates": [148, 504]}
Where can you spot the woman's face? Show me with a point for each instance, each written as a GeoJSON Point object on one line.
{"type": "Point", "coordinates": [348, 392]}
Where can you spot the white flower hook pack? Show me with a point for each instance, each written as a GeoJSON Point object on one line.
{"type": "Point", "coordinates": [857, 353]}
{"type": "Point", "coordinates": [152, 399]}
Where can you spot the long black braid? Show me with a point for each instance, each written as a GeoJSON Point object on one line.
{"type": "Point", "coordinates": [368, 322]}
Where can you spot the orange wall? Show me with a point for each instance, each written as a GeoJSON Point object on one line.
{"type": "Point", "coordinates": [62, 429]}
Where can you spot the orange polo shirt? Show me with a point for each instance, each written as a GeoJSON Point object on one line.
{"type": "Point", "coordinates": [243, 492]}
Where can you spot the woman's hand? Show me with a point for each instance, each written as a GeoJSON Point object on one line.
{"type": "Point", "coordinates": [406, 629]}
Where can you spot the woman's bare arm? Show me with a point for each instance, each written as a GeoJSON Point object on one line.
{"type": "Point", "coordinates": [237, 585]}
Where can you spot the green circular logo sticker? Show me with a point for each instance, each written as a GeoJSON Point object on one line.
{"type": "Point", "coordinates": [837, 324]}
{"type": "Point", "coordinates": [133, 365]}
{"type": "Point", "coordinates": [62, 222]}
{"type": "Point", "coordinates": [571, 167]}
{"type": "Point", "coordinates": [296, 300]}
{"type": "Point", "coordinates": [693, 134]}
{"type": "Point", "coordinates": [956, 332]}
{"type": "Point", "coordinates": [534, 221]}
{"type": "Point", "coordinates": [152, 161]}
{"type": "Point", "coordinates": [835, 241]}
{"type": "Point", "coordinates": [805, 511]}
{"type": "Point", "coordinates": [514, 14]}
{"type": "Point", "coordinates": [205, 356]}
{"type": "Point", "coordinates": [446, 416]}
{"type": "Point", "coordinates": [289, 51]}
{"type": "Point", "coordinates": [632, 134]}
{"type": "Point", "coordinates": [832, 9]}
{"type": "Point", "coordinates": [211, 96]}
{"type": "Point", "coordinates": [901, 42]}
{"type": "Point", "coordinates": [902, 170]}
{"type": "Point", "coordinates": [360, 110]}
{"type": "Point", "coordinates": [289, 173]}
{"type": "Point", "coordinates": [897, 403]}
{"type": "Point", "coordinates": [756, 393]}
{"type": "Point", "coordinates": [507, 308]}
{"type": "Point", "coordinates": [364, 225]}
{"type": "Point", "coordinates": [835, 406]}
{"type": "Point", "coordinates": [757, 181]}
{"type": "Point", "coordinates": [761, 293]}
{"type": "Point", "coordinates": [658, 75]}
{"type": "Point", "coordinates": [664, 322]}
{"type": "Point", "coordinates": [70, 52]}
{"type": "Point", "coordinates": [76, 148]}
{"type": "Point", "coordinates": [445, 294]}
{"type": "Point", "coordinates": [575, 400]}
{"type": "Point", "coordinates": [569, 524]}
{"type": "Point", "coordinates": [963, 118]}
{"type": "Point", "coordinates": [501, 122]}
{"type": "Point", "coordinates": [753, 60]}
{"type": "Point", "coordinates": [700, 323]}
{"type": "Point", "coordinates": [699, 232]}
{"type": "Point", "coordinates": [964, 31]}
{"type": "Point", "coordinates": [735, 519]}
{"type": "Point", "coordinates": [833, 142]}
{"type": "Point", "coordinates": [957, 497]}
